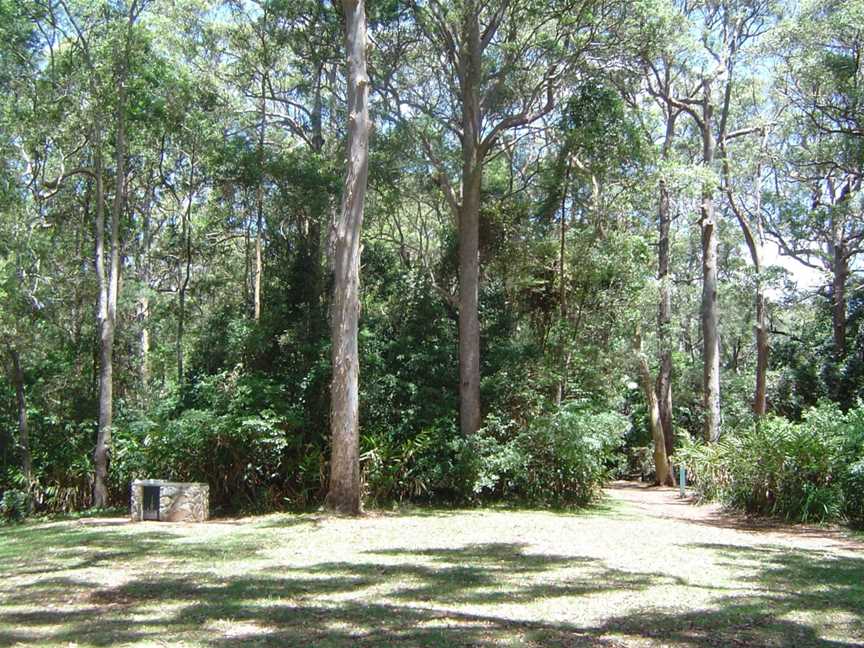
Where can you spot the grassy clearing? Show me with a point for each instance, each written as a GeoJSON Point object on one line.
{"type": "Point", "coordinates": [616, 575]}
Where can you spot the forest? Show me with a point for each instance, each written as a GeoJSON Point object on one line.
{"type": "Point", "coordinates": [432, 252]}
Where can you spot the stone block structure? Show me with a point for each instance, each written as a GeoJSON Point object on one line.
{"type": "Point", "coordinates": [156, 499]}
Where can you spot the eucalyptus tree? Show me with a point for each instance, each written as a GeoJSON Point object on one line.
{"type": "Point", "coordinates": [657, 52]}
{"type": "Point", "coordinates": [746, 204]}
{"type": "Point", "coordinates": [84, 34]}
{"type": "Point", "coordinates": [818, 217]}
{"type": "Point", "coordinates": [718, 31]}
{"type": "Point", "coordinates": [468, 73]}
{"type": "Point", "coordinates": [344, 491]}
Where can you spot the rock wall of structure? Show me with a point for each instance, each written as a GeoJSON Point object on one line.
{"type": "Point", "coordinates": [178, 502]}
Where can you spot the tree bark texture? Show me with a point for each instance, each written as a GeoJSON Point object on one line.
{"type": "Point", "coordinates": [23, 433]}
{"type": "Point", "coordinates": [109, 282]}
{"type": "Point", "coordinates": [344, 491]}
{"type": "Point", "coordinates": [664, 315]}
{"type": "Point", "coordinates": [469, 226]}
{"type": "Point", "coordinates": [710, 333]}
{"type": "Point", "coordinates": [663, 471]}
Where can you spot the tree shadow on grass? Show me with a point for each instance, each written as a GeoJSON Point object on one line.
{"type": "Point", "coordinates": [331, 603]}
{"type": "Point", "coordinates": [795, 598]}
{"type": "Point", "coordinates": [402, 596]}
{"type": "Point", "coordinates": [828, 537]}
{"type": "Point", "coordinates": [33, 549]}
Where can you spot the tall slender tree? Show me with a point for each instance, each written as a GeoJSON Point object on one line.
{"type": "Point", "coordinates": [725, 27]}
{"type": "Point", "coordinates": [472, 73]}
{"type": "Point", "coordinates": [344, 492]}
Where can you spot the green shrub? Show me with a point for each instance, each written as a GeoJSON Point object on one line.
{"type": "Point", "coordinates": [561, 459]}
{"type": "Point", "coordinates": [435, 464]}
{"type": "Point", "coordinates": [14, 506]}
{"type": "Point", "coordinates": [812, 471]}
{"type": "Point", "coordinates": [237, 434]}
{"type": "Point", "coordinates": [852, 458]}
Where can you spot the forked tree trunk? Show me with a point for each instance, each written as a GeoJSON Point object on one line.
{"type": "Point", "coordinates": [344, 492]}
{"type": "Point", "coordinates": [663, 471]}
{"type": "Point", "coordinates": [469, 227]}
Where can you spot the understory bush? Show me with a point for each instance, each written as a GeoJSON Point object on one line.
{"type": "Point", "coordinates": [13, 506]}
{"type": "Point", "coordinates": [235, 433]}
{"type": "Point", "coordinates": [812, 471]}
{"type": "Point", "coordinates": [560, 459]}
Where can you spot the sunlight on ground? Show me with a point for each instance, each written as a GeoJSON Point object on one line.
{"type": "Point", "coordinates": [619, 575]}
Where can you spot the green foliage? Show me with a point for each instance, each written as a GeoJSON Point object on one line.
{"type": "Point", "coordinates": [235, 432]}
{"type": "Point", "coordinates": [433, 465]}
{"type": "Point", "coordinates": [561, 459]}
{"type": "Point", "coordinates": [14, 506]}
{"type": "Point", "coordinates": [809, 471]}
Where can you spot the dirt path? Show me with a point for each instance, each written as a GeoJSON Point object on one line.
{"type": "Point", "coordinates": [666, 503]}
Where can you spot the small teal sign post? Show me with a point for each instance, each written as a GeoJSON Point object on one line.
{"type": "Point", "coordinates": [682, 479]}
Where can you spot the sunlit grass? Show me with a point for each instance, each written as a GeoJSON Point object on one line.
{"type": "Point", "coordinates": [611, 575]}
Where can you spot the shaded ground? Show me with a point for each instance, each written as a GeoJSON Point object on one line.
{"type": "Point", "coordinates": [643, 569]}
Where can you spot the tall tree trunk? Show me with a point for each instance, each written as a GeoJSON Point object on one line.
{"type": "Point", "coordinates": [664, 315]}
{"type": "Point", "coordinates": [23, 434]}
{"type": "Point", "coordinates": [105, 324]}
{"type": "Point", "coordinates": [109, 285]}
{"type": "Point", "coordinates": [840, 274]}
{"type": "Point", "coordinates": [181, 331]}
{"type": "Point", "coordinates": [562, 297]}
{"type": "Point", "coordinates": [469, 226]}
{"type": "Point", "coordinates": [259, 203]}
{"type": "Point", "coordinates": [755, 242]}
{"type": "Point", "coordinates": [710, 333]}
{"type": "Point", "coordinates": [142, 307]}
{"type": "Point", "coordinates": [142, 315]}
{"type": "Point", "coordinates": [760, 396]}
{"type": "Point", "coordinates": [318, 216]}
{"type": "Point", "coordinates": [183, 286]}
{"type": "Point", "coordinates": [344, 492]}
{"type": "Point", "coordinates": [663, 471]}
{"type": "Point", "coordinates": [248, 278]}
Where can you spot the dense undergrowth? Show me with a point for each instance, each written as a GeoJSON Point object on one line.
{"type": "Point", "coordinates": [807, 471]}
